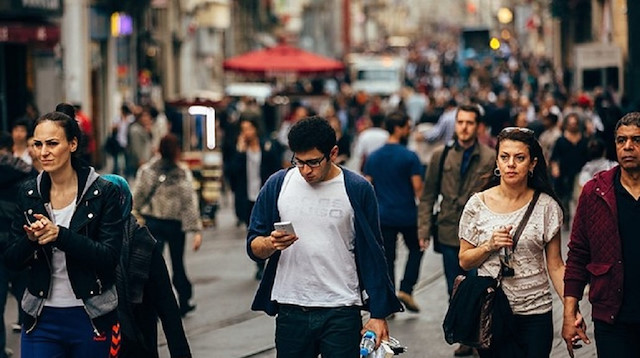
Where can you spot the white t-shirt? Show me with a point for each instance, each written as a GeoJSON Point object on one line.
{"type": "Point", "coordinates": [528, 291]}
{"type": "Point", "coordinates": [61, 294]}
{"type": "Point", "coordinates": [318, 270]}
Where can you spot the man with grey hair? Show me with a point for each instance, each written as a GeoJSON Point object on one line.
{"type": "Point", "coordinates": [604, 250]}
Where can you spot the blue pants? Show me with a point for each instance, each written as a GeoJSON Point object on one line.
{"type": "Point", "coordinates": [452, 265]}
{"type": "Point", "coordinates": [412, 268]}
{"type": "Point", "coordinates": [67, 333]}
{"type": "Point", "coordinates": [616, 340]}
{"type": "Point", "coordinates": [306, 332]}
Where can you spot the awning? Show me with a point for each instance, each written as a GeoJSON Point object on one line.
{"type": "Point", "coordinates": [24, 33]}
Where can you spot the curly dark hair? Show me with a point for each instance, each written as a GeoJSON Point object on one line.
{"type": "Point", "coordinates": [540, 179]}
{"type": "Point", "coordinates": [312, 133]}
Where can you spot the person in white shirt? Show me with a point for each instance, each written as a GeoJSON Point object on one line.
{"type": "Point", "coordinates": [319, 277]}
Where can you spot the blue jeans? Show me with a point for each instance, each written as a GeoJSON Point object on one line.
{"type": "Point", "coordinates": [412, 268]}
{"type": "Point", "coordinates": [306, 332]}
{"type": "Point", "coordinates": [616, 340]}
{"type": "Point", "coordinates": [452, 265]}
{"type": "Point", "coordinates": [66, 333]}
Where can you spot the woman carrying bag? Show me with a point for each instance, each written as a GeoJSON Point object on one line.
{"type": "Point", "coordinates": [486, 234]}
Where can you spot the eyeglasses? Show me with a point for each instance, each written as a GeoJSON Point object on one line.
{"type": "Point", "coordinates": [516, 129]}
{"type": "Point", "coordinates": [311, 163]}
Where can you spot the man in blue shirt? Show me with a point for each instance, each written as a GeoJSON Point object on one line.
{"type": "Point", "coordinates": [332, 265]}
{"type": "Point", "coordinates": [395, 173]}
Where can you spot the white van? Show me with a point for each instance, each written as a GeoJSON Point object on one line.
{"type": "Point", "coordinates": [376, 74]}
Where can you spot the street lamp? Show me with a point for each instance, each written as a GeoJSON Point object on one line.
{"type": "Point", "coordinates": [505, 15]}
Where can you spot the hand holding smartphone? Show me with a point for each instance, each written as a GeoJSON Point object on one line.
{"type": "Point", "coordinates": [285, 226]}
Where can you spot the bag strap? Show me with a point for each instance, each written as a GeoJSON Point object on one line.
{"type": "Point", "coordinates": [161, 179]}
{"type": "Point", "coordinates": [525, 219]}
{"type": "Point", "coordinates": [447, 147]}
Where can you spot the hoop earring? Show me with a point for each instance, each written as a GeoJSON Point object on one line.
{"type": "Point", "coordinates": [531, 174]}
{"type": "Point", "coordinates": [496, 172]}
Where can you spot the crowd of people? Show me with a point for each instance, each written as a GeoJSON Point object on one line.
{"type": "Point", "coordinates": [452, 161]}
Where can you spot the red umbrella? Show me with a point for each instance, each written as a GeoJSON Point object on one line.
{"type": "Point", "coordinates": [282, 59]}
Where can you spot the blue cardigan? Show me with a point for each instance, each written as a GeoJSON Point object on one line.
{"type": "Point", "coordinates": [380, 299]}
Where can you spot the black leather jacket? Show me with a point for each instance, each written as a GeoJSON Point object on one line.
{"type": "Point", "coordinates": [92, 242]}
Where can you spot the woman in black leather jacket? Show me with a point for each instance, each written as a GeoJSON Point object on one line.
{"type": "Point", "coordinates": [68, 233]}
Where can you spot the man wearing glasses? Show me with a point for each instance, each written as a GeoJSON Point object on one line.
{"type": "Point", "coordinates": [604, 250]}
{"type": "Point", "coordinates": [319, 278]}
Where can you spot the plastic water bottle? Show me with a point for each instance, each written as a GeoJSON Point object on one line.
{"type": "Point", "coordinates": [367, 344]}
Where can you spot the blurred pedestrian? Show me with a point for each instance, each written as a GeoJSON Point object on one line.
{"type": "Point", "coordinates": [139, 142]}
{"type": "Point", "coordinates": [568, 157]}
{"type": "Point", "coordinates": [396, 175]}
{"type": "Point", "coordinates": [163, 194]}
{"type": "Point", "coordinates": [451, 178]}
{"type": "Point", "coordinates": [69, 234]}
{"type": "Point", "coordinates": [369, 140]}
{"type": "Point", "coordinates": [524, 267]}
{"type": "Point", "coordinates": [14, 172]}
{"type": "Point", "coordinates": [604, 251]}
{"type": "Point", "coordinates": [255, 159]}
{"type": "Point", "coordinates": [20, 133]}
{"type": "Point", "coordinates": [315, 283]}
{"type": "Point", "coordinates": [119, 139]}
{"type": "Point", "coordinates": [86, 126]}
{"type": "Point", "coordinates": [144, 290]}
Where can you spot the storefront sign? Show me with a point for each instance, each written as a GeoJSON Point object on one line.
{"type": "Point", "coordinates": [29, 33]}
{"type": "Point", "coordinates": [18, 8]}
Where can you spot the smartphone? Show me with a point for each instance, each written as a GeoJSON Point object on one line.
{"type": "Point", "coordinates": [285, 226]}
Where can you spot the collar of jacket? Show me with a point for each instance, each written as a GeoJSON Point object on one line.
{"type": "Point", "coordinates": [86, 177]}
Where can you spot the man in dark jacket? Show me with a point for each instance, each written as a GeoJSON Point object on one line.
{"type": "Point", "coordinates": [604, 250]}
{"type": "Point", "coordinates": [465, 162]}
{"type": "Point", "coordinates": [144, 290]}
{"type": "Point", "coordinates": [14, 171]}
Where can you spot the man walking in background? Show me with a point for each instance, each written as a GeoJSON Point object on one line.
{"type": "Point", "coordinates": [396, 175]}
{"type": "Point", "coordinates": [465, 162]}
{"type": "Point", "coordinates": [14, 171]}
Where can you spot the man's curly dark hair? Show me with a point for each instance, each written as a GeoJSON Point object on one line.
{"type": "Point", "coordinates": [312, 133]}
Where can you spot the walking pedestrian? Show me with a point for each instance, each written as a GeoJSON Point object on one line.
{"type": "Point", "coordinates": [316, 278]}
{"type": "Point", "coordinates": [569, 155]}
{"type": "Point", "coordinates": [69, 234]}
{"type": "Point", "coordinates": [604, 251]}
{"type": "Point", "coordinates": [144, 290]}
{"type": "Point", "coordinates": [14, 172]}
{"type": "Point", "coordinates": [163, 194]}
{"type": "Point", "coordinates": [253, 162]}
{"type": "Point", "coordinates": [396, 175]}
{"type": "Point", "coordinates": [487, 229]}
{"type": "Point", "coordinates": [453, 174]}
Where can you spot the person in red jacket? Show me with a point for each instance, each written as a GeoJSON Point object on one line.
{"type": "Point", "coordinates": [604, 250]}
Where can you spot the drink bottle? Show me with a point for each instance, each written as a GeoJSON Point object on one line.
{"type": "Point", "coordinates": [367, 344]}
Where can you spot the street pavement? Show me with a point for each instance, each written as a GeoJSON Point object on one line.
{"type": "Point", "coordinates": [224, 326]}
